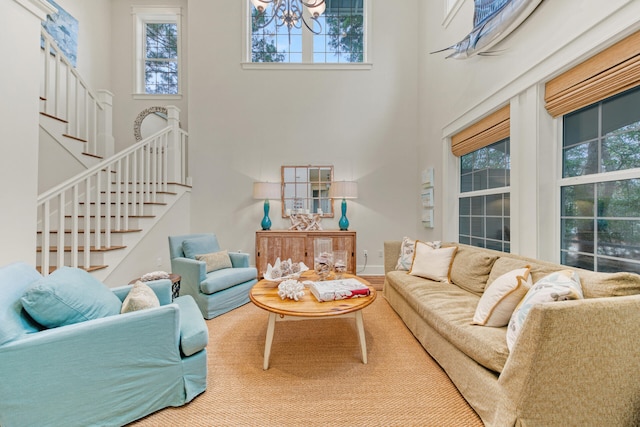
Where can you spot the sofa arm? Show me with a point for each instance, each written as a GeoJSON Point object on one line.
{"type": "Point", "coordinates": [194, 335]}
{"type": "Point", "coordinates": [576, 360]}
{"type": "Point", "coordinates": [239, 259]}
{"type": "Point", "coordinates": [391, 254]}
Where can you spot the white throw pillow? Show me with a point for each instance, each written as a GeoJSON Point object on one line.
{"type": "Point", "coordinates": [140, 297]}
{"type": "Point", "coordinates": [434, 264]}
{"type": "Point", "coordinates": [216, 260]}
{"type": "Point", "coordinates": [406, 254]}
{"type": "Point", "coordinates": [559, 286]}
{"type": "Point", "coordinates": [501, 297]}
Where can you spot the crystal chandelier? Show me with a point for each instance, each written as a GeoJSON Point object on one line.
{"type": "Point", "coordinates": [290, 13]}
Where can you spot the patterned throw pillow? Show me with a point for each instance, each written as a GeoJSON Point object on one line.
{"type": "Point", "coordinates": [500, 299]}
{"type": "Point", "coordinates": [406, 254]}
{"type": "Point", "coordinates": [216, 260]}
{"type": "Point", "coordinates": [559, 286]}
{"type": "Point", "coordinates": [434, 264]}
{"type": "Point", "coordinates": [140, 297]}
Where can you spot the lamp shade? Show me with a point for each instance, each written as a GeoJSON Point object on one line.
{"type": "Point", "coordinates": [260, 5]}
{"type": "Point", "coordinates": [266, 190]}
{"type": "Point", "coordinates": [317, 10]}
{"type": "Point", "coordinates": [343, 190]}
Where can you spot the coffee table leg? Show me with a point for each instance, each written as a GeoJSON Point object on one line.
{"type": "Point", "coordinates": [271, 325]}
{"type": "Point", "coordinates": [363, 342]}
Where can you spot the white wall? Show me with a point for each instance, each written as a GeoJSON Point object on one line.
{"type": "Point", "coordinates": [245, 124]}
{"type": "Point", "coordinates": [125, 107]}
{"type": "Point", "coordinates": [456, 93]}
{"type": "Point", "coordinates": [19, 128]}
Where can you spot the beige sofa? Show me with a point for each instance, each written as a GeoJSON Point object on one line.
{"type": "Point", "coordinates": [574, 363]}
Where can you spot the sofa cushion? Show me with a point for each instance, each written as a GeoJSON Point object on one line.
{"type": "Point", "coordinates": [449, 310]}
{"type": "Point", "coordinates": [14, 321]}
{"type": "Point", "coordinates": [222, 279]}
{"type": "Point", "coordinates": [199, 245]}
{"type": "Point", "coordinates": [140, 297]}
{"type": "Point", "coordinates": [406, 254]}
{"type": "Point", "coordinates": [600, 285]}
{"type": "Point", "coordinates": [69, 295]}
{"type": "Point", "coordinates": [500, 299]}
{"type": "Point", "coordinates": [215, 260]}
{"type": "Point", "coordinates": [559, 286]}
{"type": "Point", "coordinates": [434, 264]}
{"type": "Point", "coordinates": [471, 268]}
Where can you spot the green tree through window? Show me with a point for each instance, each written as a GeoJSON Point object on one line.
{"type": "Point", "coordinates": [161, 58]}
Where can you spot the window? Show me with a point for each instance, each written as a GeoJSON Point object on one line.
{"type": "Point", "coordinates": [157, 51]}
{"type": "Point", "coordinates": [484, 217]}
{"type": "Point", "coordinates": [342, 35]}
{"type": "Point", "coordinates": [600, 189]}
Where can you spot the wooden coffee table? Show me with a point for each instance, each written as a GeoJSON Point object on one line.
{"type": "Point", "coordinates": [264, 294]}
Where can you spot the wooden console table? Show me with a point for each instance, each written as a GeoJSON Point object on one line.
{"type": "Point", "coordinates": [298, 245]}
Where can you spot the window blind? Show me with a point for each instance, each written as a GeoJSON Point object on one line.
{"type": "Point", "coordinates": [608, 73]}
{"type": "Point", "coordinates": [484, 132]}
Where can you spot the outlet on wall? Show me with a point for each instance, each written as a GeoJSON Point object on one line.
{"type": "Point", "coordinates": [159, 262]}
{"type": "Point", "coordinates": [380, 253]}
{"type": "Point", "coordinates": [366, 253]}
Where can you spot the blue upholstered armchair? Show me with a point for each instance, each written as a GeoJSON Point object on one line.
{"type": "Point", "coordinates": [219, 281]}
{"type": "Point", "coordinates": [99, 367]}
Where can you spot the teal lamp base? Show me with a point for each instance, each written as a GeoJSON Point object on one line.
{"type": "Point", "coordinates": [266, 222]}
{"type": "Point", "coordinates": [344, 222]}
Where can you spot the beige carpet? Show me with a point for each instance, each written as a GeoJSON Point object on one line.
{"type": "Point", "coordinates": [317, 378]}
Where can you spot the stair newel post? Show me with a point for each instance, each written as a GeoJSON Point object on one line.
{"type": "Point", "coordinates": [165, 162]}
{"type": "Point", "coordinates": [60, 247]}
{"type": "Point", "coordinates": [125, 204]}
{"type": "Point", "coordinates": [86, 228]}
{"type": "Point", "coordinates": [107, 208]}
{"type": "Point", "coordinates": [134, 183]}
{"type": "Point", "coordinates": [174, 152]}
{"type": "Point", "coordinates": [75, 215]}
{"type": "Point", "coordinates": [96, 191]}
{"type": "Point", "coordinates": [46, 238]}
{"type": "Point", "coordinates": [118, 195]}
{"type": "Point", "coordinates": [105, 124]}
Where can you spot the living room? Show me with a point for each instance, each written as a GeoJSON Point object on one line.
{"type": "Point", "coordinates": [380, 126]}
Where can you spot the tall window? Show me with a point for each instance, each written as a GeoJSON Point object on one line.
{"type": "Point", "coordinates": [484, 216]}
{"type": "Point", "coordinates": [157, 51]}
{"type": "Point", "coordinates": [600, 189]}
{"type": "Point", "coordinates": [341, 38]}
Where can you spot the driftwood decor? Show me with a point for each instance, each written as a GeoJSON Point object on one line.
{"type": "Point", "coordinates": [305, 221]}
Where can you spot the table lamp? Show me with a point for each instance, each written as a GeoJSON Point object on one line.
{"type": "Point", "coordinates": [266, 191]}
{"type": "Point", "coordinates": [343, 190]}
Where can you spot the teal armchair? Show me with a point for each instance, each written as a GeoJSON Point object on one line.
{"type": "Point", "coordinates": [107, 371]}
{"type": "Point", "coordinates": [216, 292]}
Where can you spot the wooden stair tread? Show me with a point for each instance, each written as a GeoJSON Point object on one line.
{"type": "Point", "coordinates": [113, 216]}
{"type": "Point", "coordinates": [95, 156]}
{"type": "Point", "coordinates": [76, 138]}
{"type": "Point", "coordinates": [54, 117]}
{"type": "Point", "coordinates": [90, 269]}
{"type": "Point", "coordinates": [141, 192]}
{"type": "Point", "coordinates": [130, 203]}
{"type": "Point", "coordinates": [68, 231]}
{"type": "Point", "coordinates": [81, 248]}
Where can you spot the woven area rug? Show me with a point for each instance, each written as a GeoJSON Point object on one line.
{"type": "Point", "coordinates": [316, 376]}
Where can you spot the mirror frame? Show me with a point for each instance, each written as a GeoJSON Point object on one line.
{"type": "Point", "coordinates": [137, 125]}
{"type": "Point", "coordinates": [305, 180]}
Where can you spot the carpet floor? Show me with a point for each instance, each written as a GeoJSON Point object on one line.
{"type": "Point", "coordinates": [316, 376]}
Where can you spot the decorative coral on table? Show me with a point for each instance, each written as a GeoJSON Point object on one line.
{"type": "Point", "coordinates": [291, 289]}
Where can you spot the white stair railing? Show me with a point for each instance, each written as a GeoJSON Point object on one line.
{"type": "Point", "coordinates": [87, 208]}
{"type": "Point", "coordinates": [66, 96]}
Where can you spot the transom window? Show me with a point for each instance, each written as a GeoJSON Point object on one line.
{"type": "Point", "coordinates": [157, 51]}
{"type": "Point", "coordinates": [341, 37]}
{"type": "Point", "coordinates": [600, 192]}
{"type": "Point", "coordinates": [484, 202]}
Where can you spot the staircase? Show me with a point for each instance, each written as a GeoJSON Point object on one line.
{"type": "Point", "coordinates": [95, 218]}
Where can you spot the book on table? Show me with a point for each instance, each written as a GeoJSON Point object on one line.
{"type": "Point", "coordinates": [331, 290]}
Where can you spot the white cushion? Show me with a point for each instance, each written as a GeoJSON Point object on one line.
{"type": "Point", "coordinates": [501, 297]}
{"type": "Point", "coordinates": [215, 260]}
{"type": "Point", "coordinates": [140, 297]}
{"type": "Point", "coordinates": [434, 264]}
{"type": "Point", "coordinates": [559, 286]}
{"type": "Point", "coordinates": [406, 254]}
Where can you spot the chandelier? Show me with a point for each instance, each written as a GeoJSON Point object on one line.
{"type": "Point", "coordinates": [290, 13]}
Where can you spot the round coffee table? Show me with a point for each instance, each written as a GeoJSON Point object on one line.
{"type": "Point", "coordinates": [264, 294]}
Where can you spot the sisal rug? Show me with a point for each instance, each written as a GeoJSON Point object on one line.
{"type": "Point", "coordinates": [316, 376]}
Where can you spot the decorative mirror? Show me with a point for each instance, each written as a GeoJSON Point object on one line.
{"type": "Point", "coordinates": [305, 189]}
{"type": "Point", "coordinates": [149, 121]}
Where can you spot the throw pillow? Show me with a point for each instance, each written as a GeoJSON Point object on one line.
{"type": "Point", "coordinates": [406, 254]}
{"type": "Point", "coordinates": [559, 286]}
{"type": "Point", "coordinates": [434, 264]}
{"type": "Point", "coordinates": [216, 260]}
{"type": "Point", "coordinates": [140, 297]}
{"type": "Point", "coordinates": [500, 299]}
{"type": "Point", "coordinates": [199, 245]}
{"type": "Point", "coordinates": [69, 295]}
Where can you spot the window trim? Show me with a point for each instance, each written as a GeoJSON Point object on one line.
{"type": "Point", "coordinates": [246, 63]}
{"type": "Point", "coordinates": [142, 16]}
